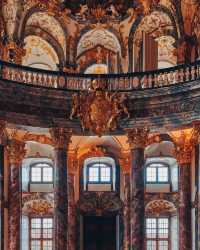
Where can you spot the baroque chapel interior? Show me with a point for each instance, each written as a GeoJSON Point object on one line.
{"type": "Point", "coordinates": [99, 124]}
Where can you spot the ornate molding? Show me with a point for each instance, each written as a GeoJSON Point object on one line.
{"type": "Point", "coordinates": [16, 151]}
{"type": "Point", "coordinates": [60, 137]}
{"type": "Point", "coordinates": [137, 137]}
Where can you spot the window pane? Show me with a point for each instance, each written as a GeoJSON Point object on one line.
{"type": "Point", "coordinates": [163, 174]}
{"type": "Point", "coordinates": [151, 245]}
{"type": "Point", "coordinates": [163, 245]}
{"type": "Point", "coordinates": [93, 174]}
{"type": "Point", "coordinates": [47, 228]}
{"type": "Point", "coordinates": [151, 228]}
{"type": "Point", "coordinates": [47, 245]}
{"type": "Point", "coordinates": [35, 245]}
{"type": "Point", "coordinates": [35, 228]}
{"type": "Point", "coordinates": [105, 174]}
{"type": "Point", "coordinates": [48, 174]}
{"type": "Point", "coordinates": [151, 174]}
{"type": "Point", "coordinates": [163, 228]}
{"type": "Point", "coordinates": [36, 174]}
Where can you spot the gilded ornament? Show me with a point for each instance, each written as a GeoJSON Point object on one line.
{"type": "Point", "coordinates": [99, 110]}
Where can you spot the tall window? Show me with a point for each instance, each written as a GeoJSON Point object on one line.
{"type": "Point", "coordinates": [157, 234]}
{"type": "Point", "coordinates": [41, 173]}
{"type": "Point", "coordinates": [157, 173]}
{"type": "Point", "coordinates": [41, 234]}
{"type": "Point", "coordinates": [99, 173]}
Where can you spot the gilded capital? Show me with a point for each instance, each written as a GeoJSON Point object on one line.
{"type": "Point", "coordinates": [137, 137]}
{"type": "Point", "coordinates": [60, 137]}
{"type": "Point", "coordinates": [183, 148]}
{"type": "Point", "coordinates": [16, 151]}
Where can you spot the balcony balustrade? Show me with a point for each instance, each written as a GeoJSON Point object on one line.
{"type": "Point", "coordinates": [112, 82]}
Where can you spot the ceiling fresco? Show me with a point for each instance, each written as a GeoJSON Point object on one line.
{"type": "Point", "coordinates": [98, 37]}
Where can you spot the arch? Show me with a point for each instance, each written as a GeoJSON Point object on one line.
{"type": "Point", "coordinates": [36, 10]}
{"type": "Point", "coordinates": [101, 36]}
{"type": "Point", "coordinates": [140, 21]}
{"type": "Point", "coordinates": [37, 31]}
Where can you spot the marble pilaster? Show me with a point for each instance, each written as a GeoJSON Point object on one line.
{"type": "Point", "coordinates": [61, 138]}
{"type": "Point", "coordinates": [137, 139]}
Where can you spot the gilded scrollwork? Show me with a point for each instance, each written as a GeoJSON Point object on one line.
{"type": "Point", "coordinates": [99, 110]}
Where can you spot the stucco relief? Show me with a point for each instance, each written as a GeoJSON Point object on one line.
{"type": "Point", "coordinates": [50, 25]}
{"type": "Point", "coordinates": [98, 37]}
{"type": "Point", "coordinates": [157, 24]}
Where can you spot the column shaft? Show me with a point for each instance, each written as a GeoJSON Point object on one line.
{"type": "Point", "coordinates": [61, 200]}
{"type": "Point", "coordinates": [185, 208]}
{"type": "Point", "coordinates": [137, 199]}
{"type": "Point", "coordinates": [61, 138]}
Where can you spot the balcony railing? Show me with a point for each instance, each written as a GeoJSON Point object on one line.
{"type": "Point", "coordinates": [113, 82]}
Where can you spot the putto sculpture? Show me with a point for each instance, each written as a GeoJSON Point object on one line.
{"type": "Point", "coordinates": [98, 109]}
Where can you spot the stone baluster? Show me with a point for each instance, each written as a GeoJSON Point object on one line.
{"type": "Point", "coordinates": [16, 153]}
{"type": "Point", "coordinates": [137, 140]}
{"type": "Point", "coordinates": [61, 139]}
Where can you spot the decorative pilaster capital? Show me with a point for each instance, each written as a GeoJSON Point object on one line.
{"type": "Point", "coordinates": [61, 137]}
{"type": "Point", "coordinates": [16, 151]}
{"type": "Point", "coordinates": [137, 137]}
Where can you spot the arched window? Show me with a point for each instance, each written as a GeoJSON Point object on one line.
{"type": "Point", "coordinates": [157, 173]}
{"type": "Point", "coordinates": [99, 174]}
{"type": "Point", "coordinates": [41, 173]}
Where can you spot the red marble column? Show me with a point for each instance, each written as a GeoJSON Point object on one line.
{"type": "Point", "coordinates": [71, 214]}
{"type": "Point", "coordinates": [127, 212]}
{"type": "Point", "coordinates": [2, 148]}
{"type": "Point", "coordinates": [61, 139]}
{"type": "Point", "coordinates": [185, 208]}
{"type": "Point", "coordinates": [183, 155]}
{"type": "Point", "coordinates": [16, 152]}
{"type": "Point", "coordinates": [137, 139]}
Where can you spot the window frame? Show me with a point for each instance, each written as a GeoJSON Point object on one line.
{"type": "Point", "coordinates": [157, 239]}
{"type": "Point", "coordinates": [99, 182]}
{"type": "Point", "coordinates": [162, 165]}
{"type": "Point", "coordinates": [35, 165]}
{"type": "Point", "coordinates": [41, 239]}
